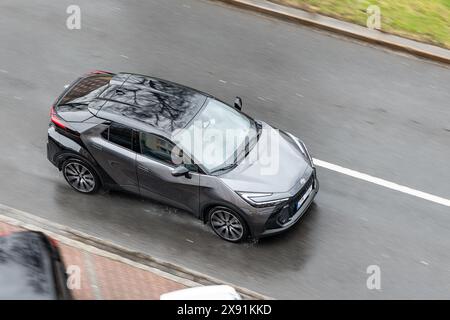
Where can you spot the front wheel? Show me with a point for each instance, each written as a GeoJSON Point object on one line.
{"type": "Point", "coordinates": [80, 176]}
{"type": "Point", "coordinates": [227, 224]}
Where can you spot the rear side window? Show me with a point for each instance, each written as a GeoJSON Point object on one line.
{"type": "Point", "coordinates": [118, 134]}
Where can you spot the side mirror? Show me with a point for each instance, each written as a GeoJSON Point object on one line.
{"type": "Point", "coordinates": [181, 170]}
{"type": "Point", "coordinates": [177, 154]}
{"type": "Point", "coordinates": [238, 103]}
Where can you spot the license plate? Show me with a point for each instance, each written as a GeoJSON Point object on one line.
{"type": "Point", "coordinates": [307, 193]}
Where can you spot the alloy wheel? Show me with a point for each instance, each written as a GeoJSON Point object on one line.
{"type": "Point", "coordinates": [227, 225]}
{"type": "Point", "coordinates": [79, 177]}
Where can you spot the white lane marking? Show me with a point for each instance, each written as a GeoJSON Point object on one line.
{"type": "Point", "coordinates": [299, 95]}
{"type": "Point", "coordinates": [424, 263]}
{"type": "Point", "coordinates": [4, 71]}
{"type": "Point", "coordinates": [124, 56]}
{"type": "Point", "coordinates": [223, 81]}
{"type": "Point", "coordinates": [382, 182]}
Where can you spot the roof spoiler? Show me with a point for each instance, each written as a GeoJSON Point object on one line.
{"type": "Point", "coordinates": [99, 72]}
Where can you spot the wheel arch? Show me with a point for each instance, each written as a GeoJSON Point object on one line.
{"type": "Point", "coordinates": [63, 157]}
{"type": "Point", "coordinates": [206, 208]}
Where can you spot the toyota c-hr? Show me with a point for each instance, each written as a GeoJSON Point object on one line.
{"type": "Point", "coordinates": [182, 147]}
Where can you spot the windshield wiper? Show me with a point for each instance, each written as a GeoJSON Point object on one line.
{"type": "Point", "coordinates": [244, 152]}
{"type": "Point", "coordinates": [249, 144]}
{"type": "Point", "coordinates": [258, 129]}
{"type": "Point", "coordinates": [228, 167]}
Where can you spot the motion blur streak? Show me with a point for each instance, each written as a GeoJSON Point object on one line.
{"type": "Point", "coordinates": [352, 104]}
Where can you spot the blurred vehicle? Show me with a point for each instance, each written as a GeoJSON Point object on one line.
{"type": "Point", "coordinates": [31, 268]}
{"type": "Point", "coordinates": [221, 292]}
{"type": "Point", "coordinates": [136, 133]}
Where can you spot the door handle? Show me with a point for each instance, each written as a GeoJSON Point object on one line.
{"type": "Point", "coordinates": [145, 169]}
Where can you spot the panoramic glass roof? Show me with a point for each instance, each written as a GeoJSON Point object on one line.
{"type": "Point", "coordinates": [156, 102]}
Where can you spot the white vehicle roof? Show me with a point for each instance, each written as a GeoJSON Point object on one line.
{"type": "Point", "coordinates": [221, 292]}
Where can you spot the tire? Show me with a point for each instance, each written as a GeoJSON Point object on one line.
{"type": "Point", "coordinates": [227, 224]}
{"type": "Point", "coordinates": [81, 176]}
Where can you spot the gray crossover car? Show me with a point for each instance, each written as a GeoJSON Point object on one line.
{"type": "Point", "coordinates": [182, 147]}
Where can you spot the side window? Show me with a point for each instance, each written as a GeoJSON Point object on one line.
{"type": "Point", "coordinates": [157, 147]}
{"type": "Point", "coordinates": [118, 134]}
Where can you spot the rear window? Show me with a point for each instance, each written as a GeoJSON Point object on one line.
{"type": "Point", "coordinates": [86, 89]}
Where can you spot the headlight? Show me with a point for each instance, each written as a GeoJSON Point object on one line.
{"type": "Point", "coordinates": [259, 199]}
{"type": "Point", "coordinates": [302, 148]}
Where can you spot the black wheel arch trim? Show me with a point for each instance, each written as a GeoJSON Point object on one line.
{"type": "Point", "coordinates": [103, 176]}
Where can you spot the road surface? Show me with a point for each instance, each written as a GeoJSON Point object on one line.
{"type": "Point", "coordinates": [354, 105]}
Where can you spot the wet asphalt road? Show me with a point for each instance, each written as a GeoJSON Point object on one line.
{"type": "Point", "coordinates": [357, 106]}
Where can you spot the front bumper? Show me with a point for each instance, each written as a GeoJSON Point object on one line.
{"type": "Point", "coordinates": [273, 226]}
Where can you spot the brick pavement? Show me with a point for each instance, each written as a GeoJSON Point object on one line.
{"type": "Point", "coordinates": [104, 278]}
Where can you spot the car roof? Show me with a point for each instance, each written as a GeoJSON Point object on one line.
{"type": "Point", "coordinates": [213, 292]}
{"type": "Point", "coordinates": [136, 100]}
{"type": "Point", "coordinates": [26, 270]}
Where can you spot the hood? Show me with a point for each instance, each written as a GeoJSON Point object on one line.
{"type": "Point", "coordinates": [275, 164]}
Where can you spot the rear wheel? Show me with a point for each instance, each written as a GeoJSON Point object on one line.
{"type": "Point", "coordinates": [227, 224]}
{"type": "Point", "coordinates": [80, 176]}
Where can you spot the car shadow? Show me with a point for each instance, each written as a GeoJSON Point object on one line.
{"type": "Point", "coordinates": [174, 234]}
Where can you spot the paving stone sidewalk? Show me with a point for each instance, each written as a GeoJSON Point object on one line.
{"type": "Point", "coordinates": [103, 278]}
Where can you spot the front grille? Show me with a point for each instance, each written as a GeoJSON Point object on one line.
{"type": "Point", "coordinates": [292, 206]}
{"type": "Point", "coordinates": [299, 195]}
{"type": "Point", "coordinates": [282, 215]}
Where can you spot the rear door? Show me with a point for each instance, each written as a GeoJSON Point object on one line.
{"type": "Point", "coordinates": [113, 150]}
{"type": "Point", "coordinates": [154, 170]}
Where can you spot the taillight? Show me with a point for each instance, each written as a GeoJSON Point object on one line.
{"type": "Point", "coordinates": [53, 242]}
{"type": "Point", "coordinates": [56, 120]}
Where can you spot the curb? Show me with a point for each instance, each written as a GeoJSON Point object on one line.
{"type": "Point", "coordinates": [344, 28]}
{"type": "Point", "coordinates": [113, 251]}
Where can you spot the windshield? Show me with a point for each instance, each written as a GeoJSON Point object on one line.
{"type": "Point", "coordinates": [218, 137]}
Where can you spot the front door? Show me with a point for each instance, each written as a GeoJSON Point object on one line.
{"type": "Point", "coordinates": [154, 171]}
